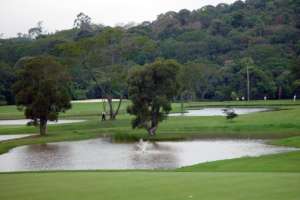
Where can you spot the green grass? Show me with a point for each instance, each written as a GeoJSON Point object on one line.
{"type": "Point", "coordinates": [266, 177]}
{"type": "Point", "coordinates": [78, 109]}
{"type": "Point", "coordinates": [149, 186]}
{"type": "Point", "coordinates": [290, 142]}
{"type": "Point", "coordinates": [283, 162]}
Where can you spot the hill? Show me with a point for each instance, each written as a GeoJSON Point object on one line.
{"type": "Point", "coordinates": [215, 45]}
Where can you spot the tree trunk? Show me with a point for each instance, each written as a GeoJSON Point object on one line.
{"type": "Point", "coordinates": [152, 131]}
{"type": "Point", "coordinates": [118, 108]}
{"type": "Point", "coordinates": [111, 111]}
{"type": "Point", "coordinates": [279, 92]}
{"type": "Point", "coordinates": [154, 121]}
{"type": "Point", "coordinates": [43, 127]}
{"type": "Point", "coordinates": [203, 95]}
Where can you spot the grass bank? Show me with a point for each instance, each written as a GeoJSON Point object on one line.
{"type": "Point", "coordinates": [283, 162]}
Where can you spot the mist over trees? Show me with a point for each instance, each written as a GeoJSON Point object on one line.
{"type": "Point", "coordinates": [212, 44]}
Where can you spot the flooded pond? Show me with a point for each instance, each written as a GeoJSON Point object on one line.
{"type": "Point", "coordinates": [10, 137]}
{"type": "Point", "coordinates": [102, 154]}
{"type": "Point", "coordinates": [25, 121]}
{"type": "Point", "coordinates": [219, 111]}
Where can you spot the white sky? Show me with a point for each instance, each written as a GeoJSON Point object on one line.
{"type": "Point", "coordinates": [20, 15]}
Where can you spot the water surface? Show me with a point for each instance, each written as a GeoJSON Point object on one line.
{"type": "Point", "coordinates": [103, 154]}
{"type": "Point", "coordinates": [219, 111]}
{"type": "Point", "coordinates": [25, 121]}
{"type": "Point", "coordinates": [10, 137]}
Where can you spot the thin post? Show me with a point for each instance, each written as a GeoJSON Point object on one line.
{"type": "Point", "coordinates": [248, 84]}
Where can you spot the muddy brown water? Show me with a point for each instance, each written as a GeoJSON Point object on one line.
{"type": "Point", "coordinates": [103, 154]}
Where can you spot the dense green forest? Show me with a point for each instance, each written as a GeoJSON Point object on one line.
{"type": "Point", "coordinates": [214, 44]}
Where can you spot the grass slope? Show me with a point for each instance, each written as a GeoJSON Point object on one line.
{"type": "Point", "coordinates": [284, 162]}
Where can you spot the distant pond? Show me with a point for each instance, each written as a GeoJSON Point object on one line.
{"type": "Point", "coordinates": [101, 153]}
{"type": "Point", "coordinates": [219, 111]}
{"type": "Point", "coordinates": [10, 137]}
{"type": "Point", "coordinates": [25, 121]}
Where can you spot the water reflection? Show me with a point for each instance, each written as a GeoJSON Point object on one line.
{"type": "Point", "coordinates": [155, 154]}
{"type": "Point", "coordinates": [102, 154]}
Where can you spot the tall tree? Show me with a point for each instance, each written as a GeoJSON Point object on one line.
{"type": "Point", "coordinates": [296, 75]}
{"type": "Point", "coordinates": [151, 90]}
{"type": "Point", "coordinates": [99, 59]}
{"type": "Point", "coordinates": [35, 32]}
{"type": "Point", "coordinates": [7, 78]}
{"type": "Point", "coordinates": [83, 24]}
{"type": "Point", "coordinates": [41, 90]}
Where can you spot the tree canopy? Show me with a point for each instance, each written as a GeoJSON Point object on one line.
{"type": "Point", "coordinates": [151, 89]}
{"type": "Point", "coordinates": [41, 90]}
{"type": "Point", "coordinates": [217, 38]}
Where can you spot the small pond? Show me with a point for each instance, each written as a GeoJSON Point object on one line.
{"type": "Point", "coordinates": [10, 137]}
{"type": "Point", "coordinates": [219, 111]}
{"type": "Point", "coordinates": [25, 121]}
{"type": "Point", "coordinates": [102, 154]}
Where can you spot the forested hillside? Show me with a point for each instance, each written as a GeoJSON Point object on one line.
{"type": "Point", "coordinates": [215, 46]}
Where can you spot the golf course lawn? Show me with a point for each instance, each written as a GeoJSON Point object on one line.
{"type": "Point", "coordinates": [149, 185]}
{"type": "Point", "coordinates": [266, 177]}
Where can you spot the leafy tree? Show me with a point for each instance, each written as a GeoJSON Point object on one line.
{"type": "Point", "coordinates": [99, 61]}
{"type": "Point", "coordinates": [41, 89]}
{"type": "Point", "coordinates": [36, 31]}
{"type": "Point", "coordinates": [6, 80]}
{"type": "Point", "coordinates": [198, 79]}
{"type": "Point", "coordinates": [151, 90]}
{"type": "Point", "coordinates": [296, 75]}
{"type": "Point", "coordinates": [265, 30]}
{"type": "Point", "coordinates": [183, 16]}
{"type": "Point", "coordinates": [84, 25]}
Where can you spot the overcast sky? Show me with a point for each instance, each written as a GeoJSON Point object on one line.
{"type": "Point", "coordinates": [20, 15]}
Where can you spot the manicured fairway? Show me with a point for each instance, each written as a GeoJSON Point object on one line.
{"type": "Point", "coordinates": [149, 186]}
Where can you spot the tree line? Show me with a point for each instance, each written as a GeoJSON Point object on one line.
{"type": "Point", "coordinates": [214, 46]}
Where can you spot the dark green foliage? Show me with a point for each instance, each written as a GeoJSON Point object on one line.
{"type": "Point", "coordinates": [41, 89]}
{"type": "Point", "coordinates": [7, 78]}
{"type": "Point", "coordinates": [151, 89]}
{"type": "Point", "coordinates": [222, 36]}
